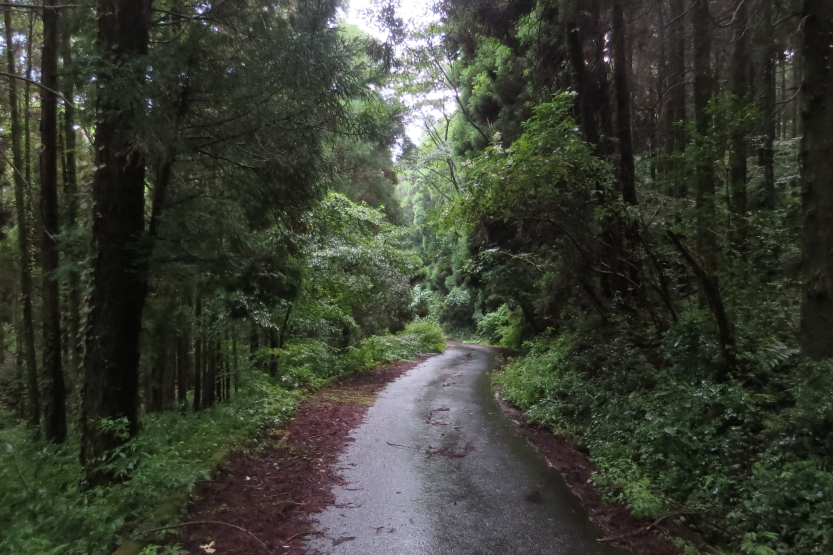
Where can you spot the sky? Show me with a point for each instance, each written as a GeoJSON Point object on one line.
{"type": "Point", "coordinates": [416, 11]}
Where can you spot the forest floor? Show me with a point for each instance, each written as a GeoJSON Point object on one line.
{"type": "Point", "coordinates": [320, 484]}
{"type": "Point", "coordinates": [272, 490]}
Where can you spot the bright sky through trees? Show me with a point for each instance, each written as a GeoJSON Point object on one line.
{"type": "Point", "coordinates": [416, 14]}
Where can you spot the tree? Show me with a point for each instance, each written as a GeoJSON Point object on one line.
{"type": "Point", "coordinates": [675, 109]}
{"type": "Point", "coordinates": [55, 424]}
{"type": "Point", "coordinates": [624, 132]}
{"type": "Point", "coordinates": [71, 193]}
{"type": "Point", "coordinates": [738, 152]}
{"type": "Point", "coordinates": [768, 102]}
{"type": "Point", "coordinates": [26, 337]}
{"type": "Point", "coordinates": [817, 181]}
{"type": "Point", "coordinates": [703, 93]}
{"type": "Point", "coordinates": [111, 391]}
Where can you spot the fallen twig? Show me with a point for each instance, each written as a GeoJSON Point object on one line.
{"type": "Point", "coordinates": [211, 522]}
{"type": "Point", "coordinates": [646, 528]}
{"type": "Point", "coordinates": [397, 445]}
{"type": "Point", "coordinates": [290, 538]}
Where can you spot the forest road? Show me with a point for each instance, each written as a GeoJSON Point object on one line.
{"type": "Point", "coordinates": [436, 468]}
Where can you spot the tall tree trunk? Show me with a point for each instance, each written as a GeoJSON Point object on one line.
{"type": "Point", "coordinates": [599, 87]}
{"type": "Point", "coordinates": [621, 76]}
{"type": "Point", "coordinates": [198, 358]}
{"type": "Point", "coordinates": [72, 336]}
{"type": "Point", "coordinates": [768, 105]}
{"type": "Point", "coordinates": [796, 102]}
{"type": "Point", "coordinates": [55, 419]}
{"type": "Point", "coordinates": [274, 343]}
{"type": "Point", "coordinates": [675, 113]}
{"type": "Point", "coordinates": [119, 274]}
{"type": "Point", "coordinates": [737, 155]}
{"type": "Point", "coordinates": [183, 368]}
{"type": "Point", "coordinates": [703, 90]}
{"type": "Point", "coordinates": [575, 40]}
{"type": "Point", "coordinates": [26, 342]}
{"type": "Point", "coordinates": [817, 181]}
{"type": "Point", "coordinates": [784, 113]}
{"type": "Point", "coordinates": [236, 363]}
{"type": "Point", "coordinates": [156, 381]}
{"type": "Point", "coordinates": [169, 381]}
{"type": "Point", "coordinates": [227, 371]}
{"type": "Point", "coordinates": [254, 343]}
{"type": "Point", "coordinates": [27, 104]}
{"type": "Point", "coordinates": [209, 386]}
{"type": "Point", "coordinates": [284, 327]}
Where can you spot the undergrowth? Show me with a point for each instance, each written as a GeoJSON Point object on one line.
{"type": "Point", "coordinates": [749, 460]}
{"type": "Point", "coordinates": [45, 507]}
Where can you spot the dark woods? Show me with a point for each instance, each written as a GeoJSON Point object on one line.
{"type": "Point", "coordinates": [182, 149]}
{"type": "Point", "coordinates": [638, 193]}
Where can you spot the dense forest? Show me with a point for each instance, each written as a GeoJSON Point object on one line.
{"type": "Point", "coordinates": [209, 208]}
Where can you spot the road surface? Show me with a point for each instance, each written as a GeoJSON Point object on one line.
{"type": "Point", "coordinates": [437, 469]}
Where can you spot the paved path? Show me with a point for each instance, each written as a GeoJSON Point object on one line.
{"type": "Point", "coordinates": [437, 469]}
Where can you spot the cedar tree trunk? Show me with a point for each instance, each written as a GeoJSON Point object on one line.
{"type": "Point", "coordinates": [119, 275]}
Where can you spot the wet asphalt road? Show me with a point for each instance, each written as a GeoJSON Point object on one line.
{"type": "Point", "coordinates": [426, 481]}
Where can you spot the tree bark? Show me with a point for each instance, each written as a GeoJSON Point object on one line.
{"type": "Point", "coordinates": [55, 421]}
{"type": "Point", "coordinates": [27, 106]}
{"type": "Point", "coordinates": [714, 300]}
{"type": "Point", "coordinates": [817, 181]}
{"type": "Point", "coordinates": [236, 364]}
{"type": "Point", "coordinates": [198, 358]}
{"type": "Point", "coordinates": [782, 62]}
{"type": "Point", "coordinates": [158, 371]}
{"type": "Point", "coordinates": [703, 91]}
{"type": "Point", "coordinates": [72, 336]}
{"type": "Point", "coordinates": [737, 155]}
{"type": "Point", "coordinates": [183, 368]}
{"type": "Point", "coordinates": [27, 340]}
{"type": "Point", "coordinates": [796, 102]}
{"type": "Point", "coordinates": [254, 343]}
{"type": "Point", "coordinates": [274, 343]}
{"type": "Point", "coordinates": [600, 90]}
{"type": "Point", "coordinates": [119, 267]}
{"type": "Point", "coordinates": [575, 40]}
{"type": "Point", "coordinates": [621, 76]}
{"type": "Point", "coordinates": [768, 105]}
{"type": "Point", "coordinates": [209, 386]}
{"type": "Point", "coordinates": [675, 112]}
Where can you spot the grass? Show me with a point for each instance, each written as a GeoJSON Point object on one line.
{"type": "Point", "coordinates": [45, 508]}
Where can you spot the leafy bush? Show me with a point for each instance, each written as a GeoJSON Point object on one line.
{"type": "Point", "coordinates": [427, 336]}
{"type": "Point", "coordinates": [416, 339]}
{"type": "Point", "coordinates": [45, 508]}
{"type": "Point", "coordinates": [665, 434]}
{"type": "Point", "coordinates": [316, 357]}
{"type": "Point", "coordinates": [492, 324]}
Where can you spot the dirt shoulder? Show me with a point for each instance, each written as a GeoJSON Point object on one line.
{"type": "Point", "coordinates": [273, 490]}
{"type": "Point", "coordinates": [643, 536]}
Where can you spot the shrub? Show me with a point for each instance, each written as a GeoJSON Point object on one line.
{"type": "Point", "coordinates": [664, 434]}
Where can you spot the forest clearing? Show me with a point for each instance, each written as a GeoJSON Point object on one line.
{"type": "Point", "coordinates": [251, 250]}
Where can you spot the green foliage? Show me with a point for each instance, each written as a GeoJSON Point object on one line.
{"type": "Point", "coordinates": [416, 339]}
{"type": "Point", "coordinates": [497, 327]}
{"type": "Point", "coordinates": [538, 175]}
{"type": "Point", "coordinates": [427, 336]}
{"type": "Point", "coordinates": [757, 458]}
{"type": "Point", "coordinates": [45, 508]}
